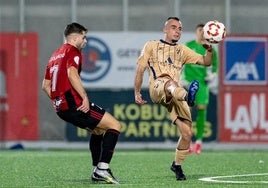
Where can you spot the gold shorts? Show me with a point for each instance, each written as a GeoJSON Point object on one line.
{"type": "Point", "coordinates": [157, 90]}
{"type": "Point", "coordinates": [176, 108]}
{"type": "Point", "coordinates": [179, 109]}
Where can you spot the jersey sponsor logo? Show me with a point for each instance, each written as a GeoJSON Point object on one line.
{"type": "Point", "coordinates": [247, 67]}
{"type": "Point", "coordinates": [96, 60]}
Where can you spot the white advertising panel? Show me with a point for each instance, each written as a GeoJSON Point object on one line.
{"type": "Point", "coordinates": [110, 57]}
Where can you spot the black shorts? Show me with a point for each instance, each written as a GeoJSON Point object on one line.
{"type": "Point", "coordinates": [83, 120]}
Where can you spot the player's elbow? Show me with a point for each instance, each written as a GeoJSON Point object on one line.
{"type": "Point", "coordinates": [46, 86]}
{"type": "Point", "coordinates": [208, 63]}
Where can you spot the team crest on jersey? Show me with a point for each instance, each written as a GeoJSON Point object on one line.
{"type": "Point", "coordinates": [76, 60]}
{"type": "Point", "coordinates": [96, 60]}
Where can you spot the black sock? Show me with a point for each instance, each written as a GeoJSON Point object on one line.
{"type": "Point", "coordinates": [109, 141]}
{"type": "Point", "coordinates": [95, 144]}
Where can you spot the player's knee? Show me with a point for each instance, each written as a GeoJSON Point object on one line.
{"type": "Point", "coordinates": [110, 122]}
{"type": "Point", "coordinates": [117, 126]}
{"type": "Point", "coordinates": [171, 86]}
{"type": "Point", "coordinates": [187, 136]}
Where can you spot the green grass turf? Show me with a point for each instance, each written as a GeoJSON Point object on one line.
{"type": "Point", "coordinates": [134, 168]}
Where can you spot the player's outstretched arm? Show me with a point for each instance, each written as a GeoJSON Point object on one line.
{"type": "Point", "coordinates": [209, 55]}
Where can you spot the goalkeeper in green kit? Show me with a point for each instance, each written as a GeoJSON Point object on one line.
{"type": "Point", "coordinates": [208, 80]}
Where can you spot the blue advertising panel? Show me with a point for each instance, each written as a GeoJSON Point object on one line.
{"type": "Point", "coordinates": [244, 61]}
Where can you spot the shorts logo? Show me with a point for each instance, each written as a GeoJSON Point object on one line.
{"type": "Point", "coordinates": [96, 60]}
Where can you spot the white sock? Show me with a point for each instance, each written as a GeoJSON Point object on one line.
{"type": "Point", "coordinates": [103, 165]}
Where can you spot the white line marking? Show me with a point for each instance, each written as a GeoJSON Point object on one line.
{"type": "Point", "coordinates": [215, 178]}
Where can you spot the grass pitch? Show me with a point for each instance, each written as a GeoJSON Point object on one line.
{"type": "Point", "coordinates": [134, 168]}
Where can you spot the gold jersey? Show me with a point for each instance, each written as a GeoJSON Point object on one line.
{"type": "Point", "coordinates": [163, 58]}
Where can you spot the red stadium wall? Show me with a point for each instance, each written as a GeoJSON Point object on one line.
{"type": "Point", "coordinates": [18, 86]}
{"type": "Point", "coordinates": [243, 99]}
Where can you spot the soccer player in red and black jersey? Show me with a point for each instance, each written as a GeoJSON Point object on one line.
{"type": "Point", "coordinates": [63, 86]}
{"type": "Point", "coordinates": [165, 59]}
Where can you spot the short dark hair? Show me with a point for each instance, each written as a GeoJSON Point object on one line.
{"type": "Point", "coordinates": [173, 18]}
{"type": "Point", "coordinates": [199, 25]}
{"type": "Point", "coordinates": [74, 28]}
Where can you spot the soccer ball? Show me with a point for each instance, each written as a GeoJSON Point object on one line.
{"type": "Point", "coordinates": [214, 31]}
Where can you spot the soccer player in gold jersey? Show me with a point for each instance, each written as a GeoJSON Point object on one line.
{"type": "Point", "coordinates": [164, 59]}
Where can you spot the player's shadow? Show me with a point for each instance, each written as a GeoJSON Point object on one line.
{"type": "Point", "coordinates": [196, 176]}
{"type": "Point", "coordinates": [83, 181]}
{"type": "Point", "coordinates": [87, 181]}
{"type": "Point", "coordinates": [191, 176]}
